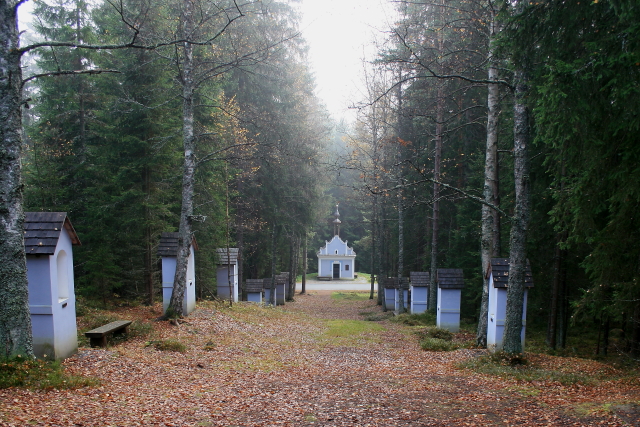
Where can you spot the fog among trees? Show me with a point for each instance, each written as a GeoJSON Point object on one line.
{"type": "Point", "coordinates": [487, 129]}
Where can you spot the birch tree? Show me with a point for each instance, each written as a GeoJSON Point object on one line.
{"type": "Point", "coordinates": [15, 320]}
{"type": "Point", "coordinates": [212, 45]}
{"type": "Point", "coordinates": [512, 342]}
{"type": "Point", "coordinates": [15, 323]}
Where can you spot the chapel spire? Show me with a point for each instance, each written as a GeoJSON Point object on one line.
{"type": "Point", "coordinates": [336, 222]}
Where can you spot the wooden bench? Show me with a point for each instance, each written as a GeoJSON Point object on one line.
{"type": "Point", "coordinates": [98, 336]}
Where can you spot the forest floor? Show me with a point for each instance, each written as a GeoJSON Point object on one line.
{"type": "Point", "coordinates": [312, 362]}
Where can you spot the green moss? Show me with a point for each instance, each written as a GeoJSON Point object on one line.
{"type": "Point", "coordinates": [38, 374]}
{"type": "Point", "coordinates": [168, 345]}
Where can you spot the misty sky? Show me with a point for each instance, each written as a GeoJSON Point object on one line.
{"type": "Point", "coordinates": [339, 33]}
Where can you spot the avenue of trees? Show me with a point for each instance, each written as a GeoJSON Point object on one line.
{"type": "Point", "coordinates": [488, 129]}
{"type": "Point", "coordinates": [508, 129]}
{"type": "Point", "coordinates": [202, 120]}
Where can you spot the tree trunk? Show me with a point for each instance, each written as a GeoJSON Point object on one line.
{"type": "Point", "coordinates": [304, 265]}
{"type": "Point", "coordinates": [293, 268]}
{"type": "Point", "coordinates": [512, 343]}
{"type": "Point", "coordinates": [272, 295]}
{"type": "Point", "coordinates": [490, 217]}
{"type": "Point", "coordinates": [227, 220]}
{"type": "Point", "coordinates": [433, 291]}
{"type": "Point", "coordinates": [401, 307]}
{"type": "Point", "coordinates": [373, 246]}
{"type": "Point", "coordinates": [148, 236]}
{"type": "Point", "coordinates": [605, 335]}
{"type": "Point", "coordinates": [558, 275]}
{"type": "Point", "coordinates": [15, 319]}
{"type": "Point", "coordinates": [288, 296]}
{"type": "Point", "coordinates": [240, 237]}
{"type": "Point", "coordinates": [563, 311]}
{"type": "Point", "coordinates": [185, 233]}
{"type": "Point", "coordinates": [635, 332]}
{"type": "Point", "coordinates": [381, 250]}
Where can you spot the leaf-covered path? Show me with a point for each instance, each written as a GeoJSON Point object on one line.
{"type": "Point", "coordinates": [313, 362]}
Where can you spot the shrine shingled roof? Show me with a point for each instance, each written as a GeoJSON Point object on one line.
{"type": "Point", "coordinates": [42, 232]}
{"type": "Point", "coordinates": [169, 244]}
{"type": "Point", "coordinates": [500, 269]}
{"type": "Point", "coordinates": [419, 278]}
{"type": "Point", "coordinates": [450, 278]}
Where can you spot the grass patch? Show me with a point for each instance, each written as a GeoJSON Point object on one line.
{"type": "Point", "coordinates": [168, 345]}
{"type": "Point", "coordinates": [40, 374]}
{"type": "Point", "coordinates": [350, 332]}
{"type": "Point", "coordinates": [350, 296]}
{"type": "Point", "coordinates": [365, 276]}
{"type": "Point", "coordinates": [517, 367]}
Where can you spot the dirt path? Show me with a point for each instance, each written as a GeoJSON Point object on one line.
{"type": "Point", "coordinates": [292, 366]}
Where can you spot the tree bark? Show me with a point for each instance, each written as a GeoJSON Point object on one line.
{"type": "Point", "coordinates": [512, 343]}
{"type": "Point", "coordinates": [433, 290]}
{"type": "Point", "coordinates": [272, 295]}
{"type": "Point", "coordinates": [304, 265]}
{"type": "Point", "coordinates": [15, 319]}
{"type": "Point", "coordinates": [185, 233]}
{"type": "Point", "coordinates": [401, 307]}
{"type": "Point", "coordinates": [240, 237]}
{"type": "Point", "coordinates": [490, 217]}
{"type": "Point", "coordinates": [373, 246]}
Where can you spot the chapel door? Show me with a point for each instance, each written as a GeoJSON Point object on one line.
{"type": "Point", "coordinates": [336, 271]}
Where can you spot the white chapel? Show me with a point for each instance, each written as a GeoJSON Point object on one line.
{"type": "Point", "coordinates": [336, 260]}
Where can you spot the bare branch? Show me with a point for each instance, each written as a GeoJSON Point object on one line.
{"type": "Point", "coordinates": [68, 72]}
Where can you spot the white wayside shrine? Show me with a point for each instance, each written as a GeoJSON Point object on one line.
{"type": "Point", "coordinates": [48, 240]}
{"type": "Point", "coordinates": [253, 289]}
{"type": "Point", "coordinates": [168, 250]}
{"type": "Point", "coordinates": [498, 275]}
{"type": "Point", "coordinates": [227, 274]}
{"type": "Point", "coordinates": [419, 291]}
{"type": "Point", "coordinates": [336, 260]}
{"type": "Point", "coordinates": [392, 290]}
{"type": "Point", "coordinates": [450, 284]}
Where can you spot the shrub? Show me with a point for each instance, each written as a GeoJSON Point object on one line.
{"type": "Point", "coordinates": [423, 319]}
{"type": "Point", "coordinates": [437, 344]}
{"type": "Point", "coordinates": [516, 367]}
{"type": "Point", "coordinates": [439, 333]}
{"type": "Point", "coordinates": [168, 345]}
{"type": "Point", "coordinates": [140, 329]}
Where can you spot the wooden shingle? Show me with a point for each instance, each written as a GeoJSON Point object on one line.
{"type": "Point", "coordinates": [450, 278]}
{"type": "Point", "coordinates": [42, 232]}
{"type": "Point", "coordinates": [392, 283]}
{"type": "Point", "coordinates": [282, 278]}
{"type": "Point", "coordinates": [224, 256]}
{"type": "Point", "coordinates": [169, 244]}
{"type": "Point", "coordinates": [500, 269]}
{"type": "Point", "coordinates": [254, 285]}
{"type": "Point", "coordinates": [419, 278]}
